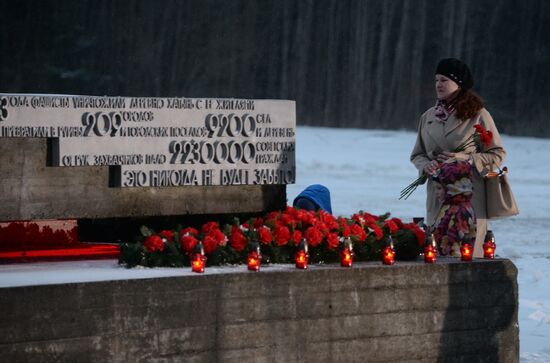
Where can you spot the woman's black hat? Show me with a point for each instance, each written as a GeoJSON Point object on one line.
{"type": "Point", "coordinates": [456, 70]}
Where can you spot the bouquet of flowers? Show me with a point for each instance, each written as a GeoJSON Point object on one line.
{"type": "Point", "coordinates": [479, 139]}
{"type": "Point", "coordinates": [278, 234]}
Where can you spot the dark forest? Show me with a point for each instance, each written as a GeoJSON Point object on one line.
{"type": "Point", "coordinates": [347, 63]}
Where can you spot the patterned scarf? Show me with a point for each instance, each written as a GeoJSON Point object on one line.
{"type": "Point", "coordinates": [444, 109]}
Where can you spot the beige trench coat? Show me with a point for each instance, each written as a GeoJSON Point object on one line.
{"type": "Point", "coordinates": [435, 136]}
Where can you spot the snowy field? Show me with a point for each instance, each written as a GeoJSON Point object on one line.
{"type": "Point", "coordinates": [365, 170]}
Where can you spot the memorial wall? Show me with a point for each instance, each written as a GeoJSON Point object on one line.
{"type": "Point", "coordinates": [66, 156]}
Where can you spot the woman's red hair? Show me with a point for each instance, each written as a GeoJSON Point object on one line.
{"type": "Point", "coordinates": [468, 104]}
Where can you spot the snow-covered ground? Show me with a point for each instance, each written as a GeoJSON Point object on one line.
{"type": "Point", "coordinates": [365, 170]}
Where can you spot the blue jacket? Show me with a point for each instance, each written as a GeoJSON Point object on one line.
{"type": "Point", "coordinates": [318, 194]}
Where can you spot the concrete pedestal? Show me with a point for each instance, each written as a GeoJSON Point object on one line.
{"type": "Point", "coordinates": [413, 312]}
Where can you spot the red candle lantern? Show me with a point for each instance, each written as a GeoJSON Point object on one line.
{"type": "Point", "coordinates": [430, 251]}
{"type": "Point", "coordinates": [429, 254]}
{"type": "Point", "coordinates": [254, 257]}
{"type": "Point", "coordinates": [466, 252]}
{"type": "Point", "coordinates": [489, 246]}
{"type": "Point", "coordinates": [346, 255]}
{"type": "Point", "coordinates": [388, 253]}
{"type": "Point", "coordinates": [302, 256]}
{"type": "Point", "coordinates": [198, 259]}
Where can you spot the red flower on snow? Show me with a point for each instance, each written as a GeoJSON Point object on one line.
{"type": "Point", "coordinates": [272, 215]}
{"type": "Point", "coordinates": [418, 232]}
{"type": "Point", "coordinates": [344, 227]}
{"type": "Point", "coordinates": [189, 230]}
{"type": "Point", "coordinates": [296, 237]}
{"type": "Point", "coordinates": [377, 231]}
{"type": "Point", "coordinates": [359, 232]}
{"type": "Point", "coordinates": [153, 243]}
{"type": "Point", "coordinates": [332, 241]}
{"type": "Point", "coordinates": [219, 236]}
{"type": "Point", "coordinates": [397, 221]}
{"type": "Point", "coordinates": [287, 219]}
{"type": "Point", "coordinates": [264, 235]}
{"type": "Point", "coordinates": [210, 244]}
{"type": "Point", "coordinates": [358, 218]}
{"type": "Point", "coordinates": [313, 236]}
{"type": "Point", "coordinates": [237, 240]}
{"type": "Point", "coordinates": [282, 235]}
{"type": "Point", "coordinates": [211, 230]}
{"type": "Point", "coordinates": [168, 234]}
{"type": "Point", "coordinates": [258, 222]}
{"type": "Point", "coordinates": [391, 225]}
{"type": "Point", "coordinates": [364, 218]}
{"type": "Point", "coordinates": [322, 227]}
{"type": "Point", "coordinates": [328, 219]}
{"type": "Point", "coordinates": [209, 227]}
{"type": "Point", "coordinates": [306, 217]}
{"type": "Point", "coordinates": [188, 242]}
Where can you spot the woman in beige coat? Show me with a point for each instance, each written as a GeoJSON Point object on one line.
{"type": "Point", "coordinates": [449, 124]}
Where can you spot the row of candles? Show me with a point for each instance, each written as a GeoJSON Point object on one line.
{"type": "Point", "coordinates": [466, 250]}
{"type": "Point", "coordinates": [301, 257]}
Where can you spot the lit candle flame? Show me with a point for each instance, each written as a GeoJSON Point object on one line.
{"type": "Point", "coordinates": [301, 260]}
{"type": "Point", "coordinates": [197, 264]}
{"type": "Point", "coordinates": [347, 258]}
{"type": "Point", "coordinates": [388, 256]}
{"type": "Point", "coordinates": [466, 252]}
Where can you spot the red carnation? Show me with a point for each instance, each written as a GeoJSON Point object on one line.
{"type": "Point", "coordinates": [377, 231]}
{"type": "Point", "coordinates": [328, 219]}
{"type": "Point", "coordinates": [187, 243]}
{"type": "Point", "coordinates": [332, 241]}
{"type": "Point", "coordinates": [313, 236]}
{"type": "Point", "coordinates": [153, 243]}
{"type": "Point", "coordinates": [310, 219]}
{"type": "Point", "coordinates": [209, 227]}
{"type": "Point", "coordinates": [296, 237]}
{"type": "Point", "coordinates": [210, 244]}
{"type": "Point", "coordinates": [486, 138]}
{"type": "Point", "coordinates": [321, 227]}
{"type": "Point", "coordinates": [237, 240]}
{"type": "Point", "coordinates": [359, 232]}
{"type": "Point", "coordinates": [282, 235]}
{"type": "Point", "coordinates": [392, 226]}
{"type": "Point", "coordinates": [287, 219]}
{"type": "Point", "coordinates": [219, 236]}
{"type": "Point", "coordinates": [358, 218]}
{"type": "Point", "coordinates": [299, 214]}
{"type": "Point", "coordinates": [418, 232]}
{"type": "Point", "coordinates": [306, 217]}
{"type": "Point", "coordinates": [369, 218]}
{"type": "Point", "coordinates": [189, 230]}
{"type": "Point", "coordinates": [168, 234]}
{"type": "Point", "coordinates": [346, 232]}
{"type": "Point", "coordinates": [420, 236]}
{"type": "Point", "coordinates": [398, 221]}
{"type": "Point", "coordinates": [264, 235]}
{"type": "Point", "coordinates": [272, 215]}
{"type": "Point", "coordinates": [258, 222]}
